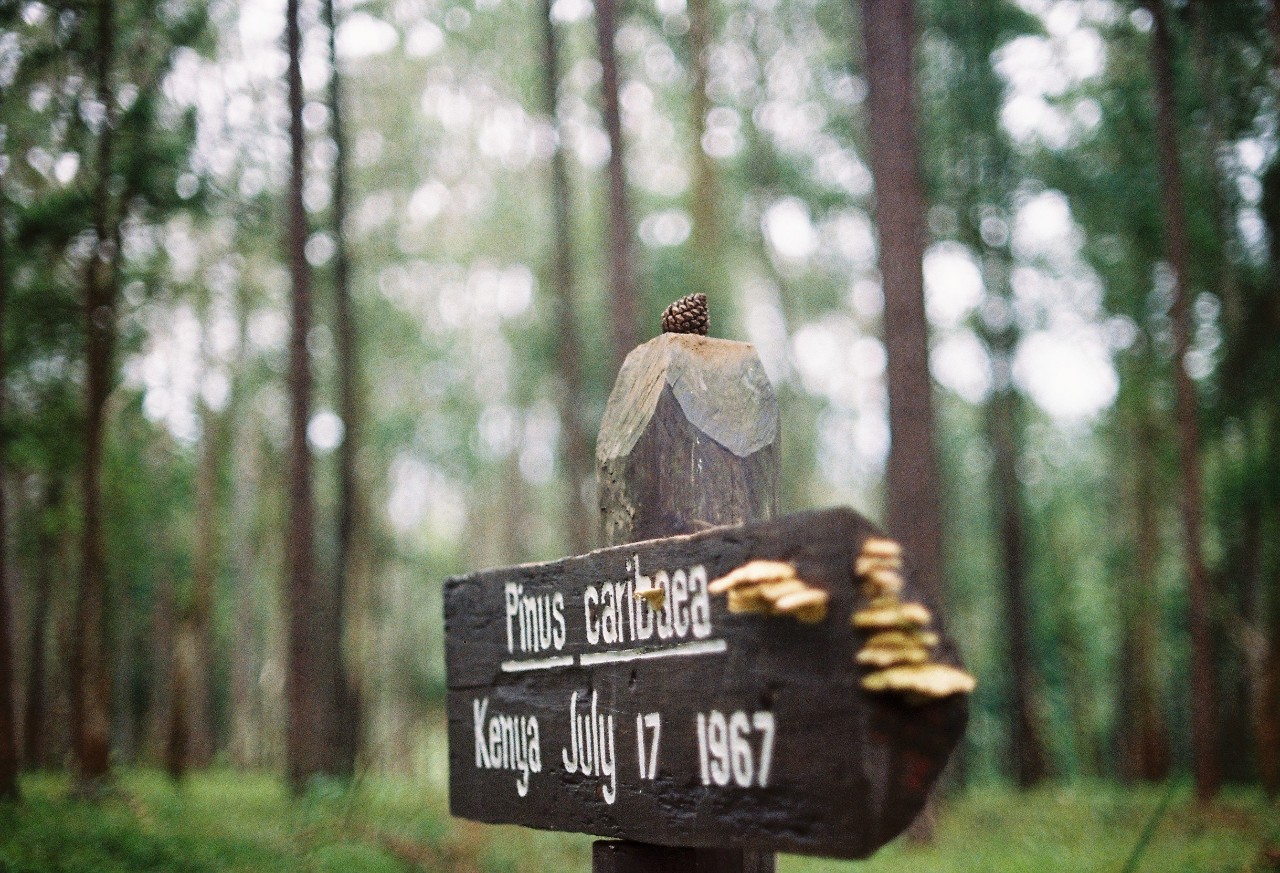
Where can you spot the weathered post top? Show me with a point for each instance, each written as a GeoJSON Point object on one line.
{"type": "Point", "coordinates": [689, 440]}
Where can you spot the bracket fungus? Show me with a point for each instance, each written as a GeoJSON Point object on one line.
{"type": "Point", "coordinates": [921, 682]}
{"type": "Point", "coordinates": [772, 588]}
{"type": "Point", "coordinates": [655, 597]}
{"type": "Point", "coordinates": [900, 646]}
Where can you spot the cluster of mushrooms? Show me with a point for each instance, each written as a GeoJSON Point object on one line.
{"type": "Point", "coordinates": [899, 644]}
{"type": "Point", "coordinates": [772, 588]}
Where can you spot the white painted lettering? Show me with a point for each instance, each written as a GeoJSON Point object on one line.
{"type": "Point", "coordinates": [507, 742]}
{"type": "Point", "coordinates": [679, 603]}
{"type": "Point", "coordinates": [590, 598]}
{"type": "Point", "coordinates": [557, 615]}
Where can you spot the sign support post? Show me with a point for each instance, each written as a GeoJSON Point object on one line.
{"type": "Point", "coordinates": [689, 440]}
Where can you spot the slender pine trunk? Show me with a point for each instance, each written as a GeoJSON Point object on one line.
{"type": "Point", "coordinates": [246, 729]}
{"type": "Point", "coordinates": [1203, 692]}
{"type": "Point", "coordinates": [163, 633]}
{"type": "Point", "coordinates": [1147, 749]}
{"type": "Point", "coordinates": [913, 499]}
{"type": "Point", "coordinates": [35, 722]}
{"type": "Point", "coordinates": [913, 494]}
{"type": "Point", "coordinates": [8, 721]}
{"type": "Point", "coordinates": [91, 688]}
{"type": "Point", "coordinates": [199, 688]}
{"type": "Point", "coordinates": [576, 452]}
{"type": "Point", "coordinates": [1267, 715]}
{"type": "Point", "coordinates": [307, 682]}
{"type": "Point", "coordinates": [623, 288]}
{"type": "Point", "coordinates": [347, 720]}
{"type": "Point", "coordinates": [1003, 427]}
{"type": "Point", "coordinates": [706, 238]}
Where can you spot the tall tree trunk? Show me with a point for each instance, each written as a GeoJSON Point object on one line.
{"type": "Point", "coordinates": [177, 751]}
{"type": "Point", "coordinates": [1267, 702]}
{"type": "Point", "coordinates": [577, 457]}
{"type": "Point", "coordinates": [34, 746]}
{"type": "Point", "coordinates": [1146, 734]}
{"type": "Point", "coordinates": [8, 722]}
{"type": "Point", "coordinates": [913, 501]}
{"type": "Point", "coordinates": [245, 740]}
{"type": "Point", "coordinates": [1003, 429]}
{"type": "Point", "coordinates": [707, 274]}
{"type": "Point", "coordinates": [163, 641]}
{"type": "Point", "coordinates": [348, 719]}
{"type": "Point", "coordinates": [1224, 212]}
{"type": "Point", "coordinates": [914, 504]}
{"type": "Point", "coordinates": [198, 706]}
{"type": "Point", "coordinates": [1203, 692]}
{"type": "Point", "coordinates": [91, 681]}
{"type": "Point", "coordinates": [124, 727]}
{"type": "Point", "coordinates": [623, 289]}
{"type": "Point", "coordinates": [308, 675]}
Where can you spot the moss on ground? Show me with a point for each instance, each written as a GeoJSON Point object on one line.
{"type": "Point", "coordinates": [230, 821]}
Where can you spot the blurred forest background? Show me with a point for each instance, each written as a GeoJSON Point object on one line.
{"type": "Point", "coordinates": [308, 305]}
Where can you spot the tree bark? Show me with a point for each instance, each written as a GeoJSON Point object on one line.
{"type": "Point", "coordinates": [34, 745]}
{"type": "Point", "coordinates": [913, 501]}
{"type": "Point", "coordinates": [161, 700]}
{"type": "Point", "coordinates": [246, 729]}
{"type": "Point", "coordinates": [575, 454]}
{"type": "Point", "coordinates": [199, 687]}
{"type": "Point", "coordinates": [1203, 692]}
{"type": "Point", "coordinates": [707, 274]}
{"type": "Point", "coordinates": [91, 681]}
{"type": "Point", "coordinates": [8, 721]}
{"type": "Point", "coordinates": [1146, 747]}
{"type": "Point", "coordinates": [1267, 715]}
{"type": "Point", "coordinates": [308, 675]}
{"type": "Point", "coordinates": [623, 289]}
{"type": "Point", "coordinates": [347, 719]}
{"type": "Point", "coordinates": [914, 511]}
{"type": "Point", "coordinates": [1003, 427]}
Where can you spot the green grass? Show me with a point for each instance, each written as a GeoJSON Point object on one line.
{"type": "Point", "coordinates": [245, 822]}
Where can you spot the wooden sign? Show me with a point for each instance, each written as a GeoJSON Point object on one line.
{"type": "Point", "coordinates": [617, 694]}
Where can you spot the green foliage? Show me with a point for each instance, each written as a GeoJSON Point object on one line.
{"type": "Point", "coordinates": [228, 821]}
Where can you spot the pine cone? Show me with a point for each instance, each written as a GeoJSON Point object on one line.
{"type": "Point", "coordinates": [687, 315]}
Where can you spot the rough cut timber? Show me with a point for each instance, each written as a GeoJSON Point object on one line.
{"type": "Point", "coordinates": [689, 440]}
{"type": "Point", "coordinates": [711, 403]}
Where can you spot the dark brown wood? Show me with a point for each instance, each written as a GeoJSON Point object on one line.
{"type": "Point", "coordinates": [308, 675]}
{"type": "Point", "coordinates": [914, 514]}
{"type": "Point", "coordinates": [575, 448]}
{"type": "Point", "coordinates": [848, 770]}
{"type": "Point", "coordinates": [623, 290]}
{"type": "Point", "coordinates": [1204, 692]}
{"type": "Point", "coordinates": [690, 439]}
{"type": "Point", "coordinates": [347, 722]}
{"type": "Point", "coordinates": [622, 856]}
{"type": "Point", "coordinates": [8, 707]}
{"type": "Point", "coordinates": [206, 558]}
{"type": "Point", "coordinates": [34, 740]}
{"type": "Point", "coordinates": [706, 240]}
{"type": "Point", "coordinates": [90, 679]}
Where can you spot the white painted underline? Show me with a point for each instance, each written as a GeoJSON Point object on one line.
{"type": "Point", "coordinates": [700, 647]}
{"type": "Point", "coordinates": [538, 664]}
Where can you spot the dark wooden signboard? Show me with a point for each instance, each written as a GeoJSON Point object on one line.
{"type": "Point", "coordinates": [575, 706]}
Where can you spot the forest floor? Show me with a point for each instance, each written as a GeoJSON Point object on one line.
{"type": "Point", "coordinates": [224, 820]}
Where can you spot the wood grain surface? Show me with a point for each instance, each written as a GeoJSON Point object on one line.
{"type": "Point", "coordinates": [847, 770]}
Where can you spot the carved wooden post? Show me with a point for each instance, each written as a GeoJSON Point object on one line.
{"type": "Point", "coordinates": [689, 440]}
